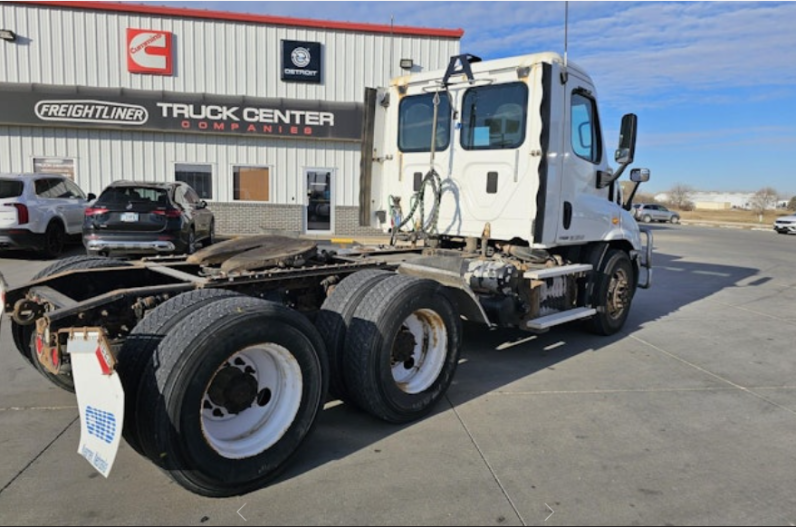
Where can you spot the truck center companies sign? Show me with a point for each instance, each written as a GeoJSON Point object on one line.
{"type": "Point", "coordinates": [78, 107]}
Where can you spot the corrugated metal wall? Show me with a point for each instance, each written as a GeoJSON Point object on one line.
{"type": "Point", "coordinates": [103, 156]}
{"type": "Point", "coordinates": [66, 46]}
{"type": "Point", "coordinates": [87, 48]}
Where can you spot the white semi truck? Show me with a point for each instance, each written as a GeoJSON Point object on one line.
{"type": "Point", "coordinates": [215, 366]}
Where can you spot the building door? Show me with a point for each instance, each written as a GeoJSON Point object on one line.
{"type": "Point", "coordinates": [319, 205]}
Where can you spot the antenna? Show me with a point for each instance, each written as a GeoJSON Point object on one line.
{"type": "Point", "coordinates": [564, 73]}
{"type": "Point", "coordinates": [392, 48]}
{"type": "Point", "coordinates": [566, 30]}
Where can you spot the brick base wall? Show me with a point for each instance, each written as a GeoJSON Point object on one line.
{"type": "Point", "coordinates": [287, 220]}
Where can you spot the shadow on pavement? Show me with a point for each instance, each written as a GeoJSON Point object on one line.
{"type": "Point", "coordinates": [493, 359]}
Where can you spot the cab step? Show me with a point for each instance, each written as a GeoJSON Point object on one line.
{"type": "Point", "coordinates": [547, 322]}
{"type": "Point", "coordinates": [553, 272]}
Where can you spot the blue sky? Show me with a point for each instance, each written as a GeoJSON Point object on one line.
{"type": "Point", "coordinates": [713, 83]}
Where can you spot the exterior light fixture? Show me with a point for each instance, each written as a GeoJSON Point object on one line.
{"type": "Point", "coordinates": [407, 64]}
{"type": "Point", "coordinates": [7, 34]}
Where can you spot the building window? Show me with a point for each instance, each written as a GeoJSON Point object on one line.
{"type": "Point", "coordinates": [494, 117]}
{"type": "Point", "coordinates": [199, 177]}
{"type": "Point", "coordinates": [586, 141]}
{"type": "Point", "coordinates": [251, 184]}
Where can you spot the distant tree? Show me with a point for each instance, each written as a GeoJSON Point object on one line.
{"type": "Point", "coordinates": [640, 197]}
{"type": "Point", "coordinates": [764, 199]}
{"type": "Point", "coordinates": [792, 204]}
{"type": "Point", "coordinates": [680, 197]}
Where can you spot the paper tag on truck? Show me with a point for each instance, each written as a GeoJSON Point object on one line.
{"type": "Point", "coordinates": [100, 398]}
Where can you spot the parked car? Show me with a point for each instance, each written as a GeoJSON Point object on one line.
{"type": "Point", "coordinates": [785, 224]}
{"type": "Point", "coordinates": [648, 212]}
{"type": "Point", "coordinates": [40, 212]}
{"type": "Point", "coordinates": [135, 217]}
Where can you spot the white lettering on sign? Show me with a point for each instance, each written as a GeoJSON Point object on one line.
{"type": "Point", "coordinates": [251, 115]}
{"type": "Point", "coordinates": [91, 112]}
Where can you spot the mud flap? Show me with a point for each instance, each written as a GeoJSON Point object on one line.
{"type": "Point", "coordinates": [100, 398]}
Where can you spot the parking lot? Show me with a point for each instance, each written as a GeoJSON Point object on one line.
{"type": "Point", "coordinates": [686, 417]}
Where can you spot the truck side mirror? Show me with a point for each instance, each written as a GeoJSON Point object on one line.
{"type": "Point", "coordinates": [640, 175]}
{"type": "Point", "coordinates": [627, 140]}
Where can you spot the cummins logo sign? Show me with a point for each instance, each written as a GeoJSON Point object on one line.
{"type": "Point", "coordinates": [91, 112]}
{"type": "Point", "coordinates": [149, 52]}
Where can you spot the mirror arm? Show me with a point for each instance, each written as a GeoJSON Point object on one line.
{"type": "Point", "coordinates": [604, 179]}
{"type": "Point", "coordinates": [629, 202]}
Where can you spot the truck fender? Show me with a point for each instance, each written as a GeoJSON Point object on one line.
{"type": "Point", "coordinates": [463, 297]}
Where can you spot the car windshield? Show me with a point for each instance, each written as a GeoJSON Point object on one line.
{"type": "Point", "coordinates": [116, 196]}
{"type": "Point", "coordinates": [10, 189]}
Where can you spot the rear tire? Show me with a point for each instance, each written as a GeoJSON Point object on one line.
{"type": "Point", "coordinates": [224, 409]}
{"type": "Point", "coordinates": [54, 238]}
{"type": "Point", "coordinates": [24, 336]}
{"type": "Point", "coordinates": [675, 220]}
{"type": "Point", "coordinates": [614, 288]}
{"type": "Point", "coordinates": [334, 318]}
{"type": "Point", "coordinates": [402, 348]}
{"type": "Point", "coordinates": [139, 346]}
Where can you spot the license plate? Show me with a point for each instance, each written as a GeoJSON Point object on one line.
{"type": "Point", "coordinates": [130, 217]}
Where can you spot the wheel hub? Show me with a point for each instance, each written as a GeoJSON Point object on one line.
{"type": "Point", "coordinates": [404, 347]}
{"type": "Point", "coordinates": [618, 294]}
{"type": "Point", "coordinates": [233, 389]}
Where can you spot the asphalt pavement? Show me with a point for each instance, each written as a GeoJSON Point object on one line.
{"type": "Point", "coordinates": [687, 417]}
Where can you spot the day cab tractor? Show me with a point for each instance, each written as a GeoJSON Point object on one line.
{"type": "Point", "coordinates": [491, 179]}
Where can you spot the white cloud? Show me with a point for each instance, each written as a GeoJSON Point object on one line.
{"type": "Point", "coordinates": [645, 54]}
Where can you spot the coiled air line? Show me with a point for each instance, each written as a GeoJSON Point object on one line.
{"type": "Point", "coordinates": [432, 179]}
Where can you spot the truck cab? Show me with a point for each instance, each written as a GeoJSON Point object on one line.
{"type": "Point", "coordinates": [519, 148]}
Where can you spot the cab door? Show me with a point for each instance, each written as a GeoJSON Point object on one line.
{"type": "Point", "coordinates": [587, 212]}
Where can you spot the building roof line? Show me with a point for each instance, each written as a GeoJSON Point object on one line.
{"type": "Point", "coordinates": [182, 12]}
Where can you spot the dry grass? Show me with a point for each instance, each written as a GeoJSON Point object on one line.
{"type": "Point", "coordinates": [733, 216]}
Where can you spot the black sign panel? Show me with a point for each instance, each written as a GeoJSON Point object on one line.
{"type": "Point", "coordinates": [301, 61]}
{"type": "Point", "coordinates": [83, 107]}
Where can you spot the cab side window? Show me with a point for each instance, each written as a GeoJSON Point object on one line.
{"type": "Point", "coordinates": [586, 140]}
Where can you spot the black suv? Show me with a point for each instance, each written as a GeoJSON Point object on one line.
{"type": "Point", "coordinates": [135, 217]}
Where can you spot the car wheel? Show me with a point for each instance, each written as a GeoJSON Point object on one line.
{"type": "Point", "coordinates": [647, 218]}
{"type": "Point", "coordinates": [191, 246]}
{"type": "Point", "coordinates": [211, 236]}
{"type": "Point", "coordinates": [675, 220]}
{"type": "Point", "coordinates": [54, 240]}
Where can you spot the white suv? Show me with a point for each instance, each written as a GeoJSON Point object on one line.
{"type": "Point", "coordinates": [39, 211]}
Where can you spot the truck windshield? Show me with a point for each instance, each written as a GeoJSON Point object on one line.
{"type": "Point", "coordinates": [10, 189]}
{"type": "Point", "coordinates": [493, 117]}
{"type": "Point", "coordinates": [416, 115]}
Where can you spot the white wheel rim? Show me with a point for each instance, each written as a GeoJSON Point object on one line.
{"type": "Point", "coordinates": [257, 428]}
{"type": "Point", "coordinates": [428, 356]}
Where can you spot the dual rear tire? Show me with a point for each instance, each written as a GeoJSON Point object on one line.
{"type": "Point", "coordinates": [394, 343]}
{"type": "Point", "coordinates": [223, 409]}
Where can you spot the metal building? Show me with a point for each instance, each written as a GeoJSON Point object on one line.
{"type": "Point", "coordinates": [261, 114]}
